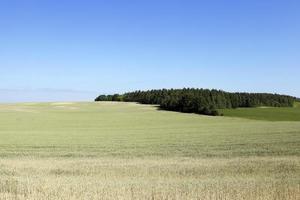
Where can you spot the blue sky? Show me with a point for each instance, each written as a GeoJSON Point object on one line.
{"type": "Point", "coordinates": [74, 50]}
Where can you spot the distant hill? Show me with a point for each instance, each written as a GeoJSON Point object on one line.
{"type": "Point", "coordinates": [201, 101]}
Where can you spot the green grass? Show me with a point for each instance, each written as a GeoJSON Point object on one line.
{"type": "Point", "coordinates": [129, 130]}
{"type": "Point", "coordinates": [265, 113]}
{"type": "Point", "coordinates": [131, 151]}
{"type": "Point", "coordinates": [297, 104]}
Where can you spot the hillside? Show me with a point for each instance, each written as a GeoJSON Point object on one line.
{"type": "Point", "coordinates": [201, 101]}
{"type": "Point", "coordinates": [122, 150]}
{"type": "Point", "coordinates": [265, 113]}
{"type": "Point", "coordinates": [129, 129]}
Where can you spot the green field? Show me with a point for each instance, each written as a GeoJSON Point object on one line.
{"type": "Point", "coordinates": [129, 151]}
{"type": "Point", "coordinates": [265, 113]}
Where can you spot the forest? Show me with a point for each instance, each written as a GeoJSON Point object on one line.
{"type": "Point", "coordinates": [201, 101]}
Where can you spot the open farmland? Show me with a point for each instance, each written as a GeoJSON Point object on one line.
{"type": "Point", "coordinates": [266, 113]}
{"type": "Point", "coordinates": [128, 151]}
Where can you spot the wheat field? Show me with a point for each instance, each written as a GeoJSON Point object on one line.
{"type": "Point", "coordinates": [130, 151]}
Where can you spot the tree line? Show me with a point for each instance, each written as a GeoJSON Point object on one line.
{"type": "Point", "coordinates": [201, 101]}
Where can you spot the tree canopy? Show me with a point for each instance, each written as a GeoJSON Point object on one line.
{"type": "Point", "coordinates": [201, 101]}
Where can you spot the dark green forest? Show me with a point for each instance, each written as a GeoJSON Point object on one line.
{"type": "Point", "coordinates": [201, 101]}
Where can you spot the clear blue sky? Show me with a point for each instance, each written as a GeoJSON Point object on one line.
{"type": "Point", "coordinates": [74, 50]}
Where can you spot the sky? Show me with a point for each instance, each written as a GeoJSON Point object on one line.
{"type": "Point", "coordinates": [71, 50]}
